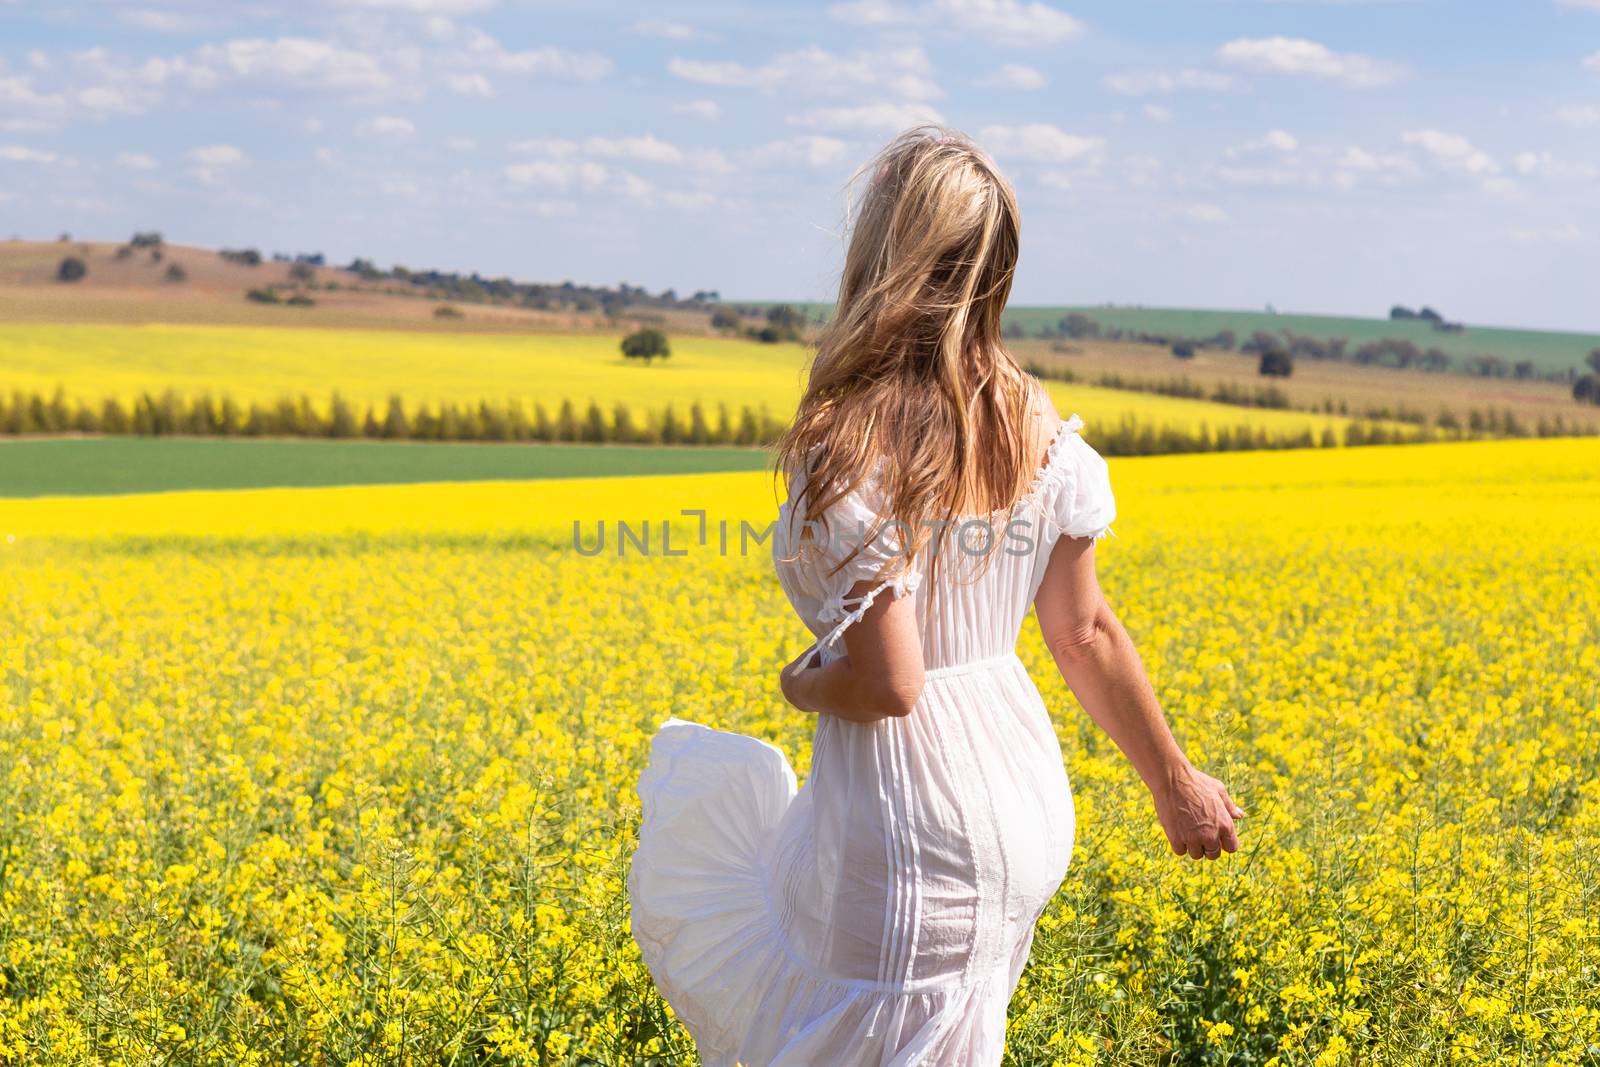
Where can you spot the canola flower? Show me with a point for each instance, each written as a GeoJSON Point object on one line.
{"type": "Point", "coordinates": [265, 364]}
{"type": "Point", "coordinates": [343, 776]}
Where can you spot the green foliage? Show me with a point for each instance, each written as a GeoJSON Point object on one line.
{"type": "Point", "coordinates": [1275, 362]}
{"type": "Point", "coordinates": [646, 344]}
{"type": "Point", "coordinates": [245, 257]}
{"type": "Point", "coordinates": [72, 269]}
{"type": "Point", "coordinates": [263, 296]}
{"type": "Point", "coordinates": [176, 274]}
{"type": "Point", "coordinates": [445, 311]}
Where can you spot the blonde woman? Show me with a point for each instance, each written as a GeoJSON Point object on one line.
{"type": "Point", "coordinates": [882, 915]}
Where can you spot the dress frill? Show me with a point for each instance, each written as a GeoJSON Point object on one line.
{"type": "Point", "coordinates": [712, 801]}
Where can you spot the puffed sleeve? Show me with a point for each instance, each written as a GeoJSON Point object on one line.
{"type": "Point", "coordinates": [856, 520]}
{"type": "Point", "coordinates": [1084, 505]}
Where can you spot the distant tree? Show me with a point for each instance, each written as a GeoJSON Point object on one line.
{"type": "Point", "coordinates": [788, 321]}
{"type": "Point", "coordinates": [1079, 325]}
{"type": "Point", "coordinates": [646, 344]}
{"type": "Point", "coordinates": [72, 269]}
{"type": "Point", "coordinates": [1593, 360]}
{"type": "Point", "coordinates": [300, 300]}
{"type": "Point", "coordinates": [176, 273]}
{"type": "Point", "coordinates": [302, 272]}
{"type": "Point", "coordinates": [725, 318]}
{"type": "Point", "coordinates": [1431, 315]}
{"type": "Point", "coordinates": [1399, 313]}
{"type": "Point", "coordinates": [64, 238]}
{"type": "Point", "coordinates": [1586, 390]}
{"type": "Point", "coordinates": [149, 239]}
{"type": "Point", "coordinates": [244, 257]}
{"type": "Point", "coordinates": [263, 296]}
{"type": "Point", "coordinates": [1276, 362]}
{"type": "Point", "coordinates": [445, 311]}
{"type": "Point", "coordinates": [1183, 349]}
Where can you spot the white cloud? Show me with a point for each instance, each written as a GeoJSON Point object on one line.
{"type": "Point", "coordinates": [403, 187]}
{"type": "Point", "coordinates": [16, 153]}
{"type": "Point", "coordinates": [469, 84]}
{"type": "Point", "coordinates": [1271, 141]}
{"type": "Point", "coordinates": [904, 72]}
{"type": "Point", "coordinates": [646, 149]}
{"type": "Point", "coordinates": [1592, 5]}
{"type": "Point", "coordinates": [672, 31]}
{"type": "Point", "coordinates": [1298, 56]}
{"type": "Point", "coordinates": [867, 118]}
{"type": "Point", "coordinates": [1013, 76]}
{"type": "Point", "coordinates": [1011, 22]}
{"type": "Point", "coordinates": [688, 201]}
{"type": "Point", "coordinates": [422, 7]}
{"type": "Point", "coordinates": [1204, 214]}
{"type": "Point", "coordinates": [559, 173]}
{"type": "Point", "coordinates": [1157, 113]}
{"type": "Point", "coordinates": [216, 155]}
{"type": "Point", "coordinates": [1357, 165]}
{"type": "Point", "coordinates": [1563, 234]}
{"type": "Point", "coordinates": [1452, 150]}
{"type": "Point", "coordinates": [1039, 142]}
{"type": "Point", "coordinates": [1545, 165]}
{"type": "Point", "coordinates": [709, 110]}
{"type": "Point", "coordinates": [1580, 115]}
{"type": "Point", "coordinates": [135, 161]}
{"type": "Point", "coordinates": [288, 63]}
{"type": "Point", "coordinates": [871, 13]}
{"type": "Point", "coordinates": [388, 127]}
{"type": "Point", "coordinates": [484, 51]}
{"type": "Point", "coordinates": [1592, 62]}
{"type": "Point", "coordinates": [165, 21]}
{"type": "Point", "coordinates": [810, 151]}
{"type": "Point", "coordinates": [1141, 83]}
{"type": "Point", "coordinates": [210, 161]}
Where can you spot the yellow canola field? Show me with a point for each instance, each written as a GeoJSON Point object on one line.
{"type": "Point", "coordinates": [345, 776]}
{"type": "Point", "coordinates": [367, 366]}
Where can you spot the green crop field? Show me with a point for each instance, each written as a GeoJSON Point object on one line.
{"type": "Point", "coordinates": [1549, 350]}
{"type": "Point", "coordinates": [96, 466]}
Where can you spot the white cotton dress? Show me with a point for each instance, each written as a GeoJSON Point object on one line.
{"type": "Point", "coordinates": [880, 916]}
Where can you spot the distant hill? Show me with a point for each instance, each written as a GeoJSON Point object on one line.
{"type": "Point", "coordinates": [126, 284]}
{"type": "Point", "coordinates": [1549, 351]}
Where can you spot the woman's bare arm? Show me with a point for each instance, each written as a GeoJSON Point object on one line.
{"type": "Point", "coordinates": [881, 674]}
{"type": "Point", "coordinates": [1100, 665]}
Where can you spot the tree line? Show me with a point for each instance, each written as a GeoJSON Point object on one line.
{"type": "Point", "coordinates": [202, 415]}
{"type": "Point", "coordinates": [1277, 345]}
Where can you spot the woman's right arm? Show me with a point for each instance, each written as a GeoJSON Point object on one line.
{"type": "Point", "coordinates": [1097, 660]}
{"type": "Point", "coordinates": [881, 673]}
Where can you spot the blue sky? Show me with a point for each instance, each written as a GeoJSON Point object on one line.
{"type": "Point", "coordinates": [1318, 156]}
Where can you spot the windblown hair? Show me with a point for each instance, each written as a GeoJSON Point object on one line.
{"type": "Point", "coordinates": [910, 371]}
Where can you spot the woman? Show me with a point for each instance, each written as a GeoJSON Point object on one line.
{"type": "Point", "coordinates": [883, 914]}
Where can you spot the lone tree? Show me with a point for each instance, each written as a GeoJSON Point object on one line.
{"type": "Point", "coordinates": [1276, 362]}
{"type": "Point", "coordinates": [647, 344]}
{"type": "Point", "coordinates": [72, 269]}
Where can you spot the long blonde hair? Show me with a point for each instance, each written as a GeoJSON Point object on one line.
{"type": "Point", "coordinates": [910, 371]}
